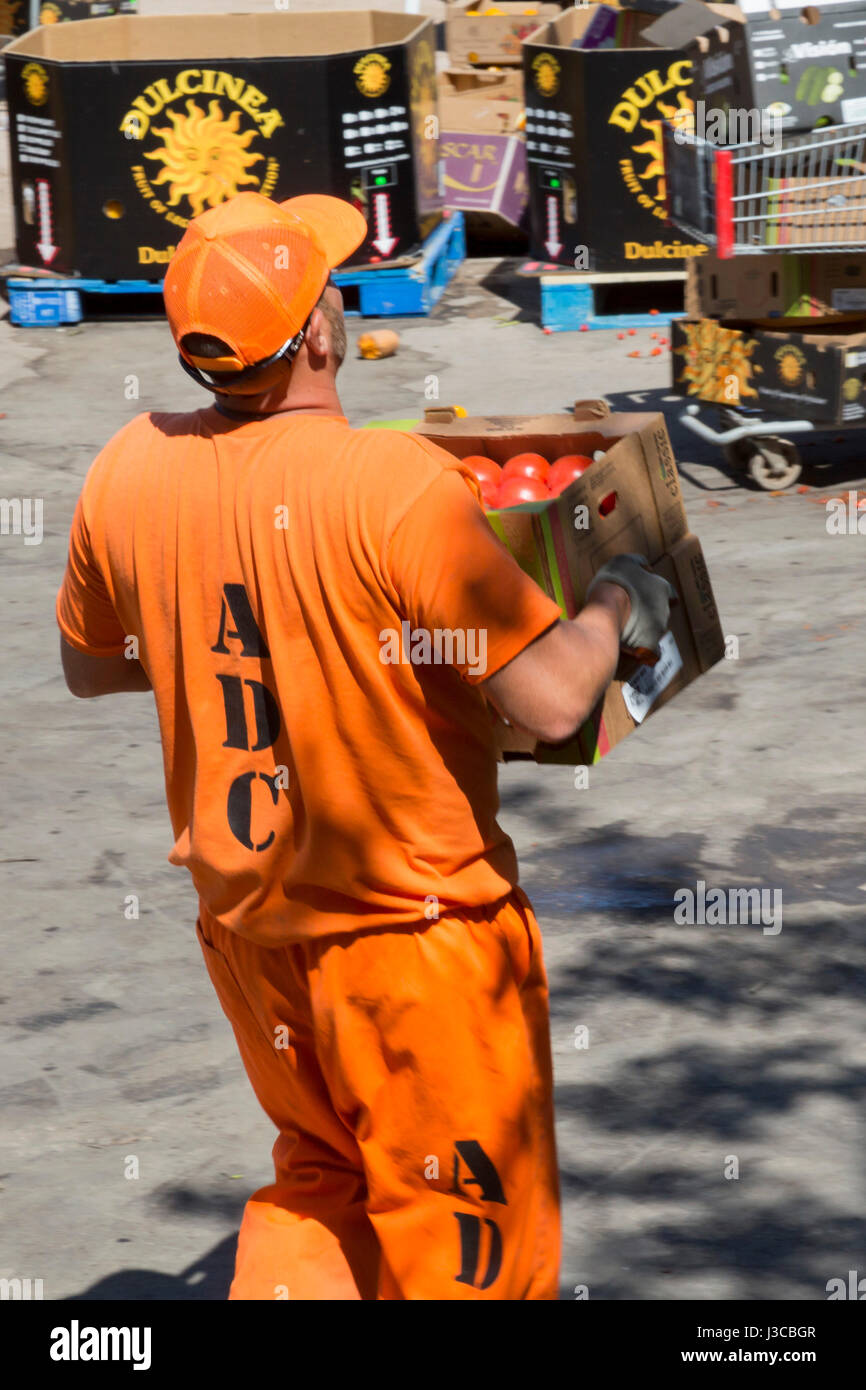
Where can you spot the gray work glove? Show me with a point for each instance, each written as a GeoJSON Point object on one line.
{"type": "Point", "coordinates": [651, 598]}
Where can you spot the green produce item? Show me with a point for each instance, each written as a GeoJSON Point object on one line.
{"type": "Point", "coordinates": [820, 84]}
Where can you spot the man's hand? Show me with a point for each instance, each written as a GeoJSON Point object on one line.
{"type": "Point", "coordinates": [650, 599]}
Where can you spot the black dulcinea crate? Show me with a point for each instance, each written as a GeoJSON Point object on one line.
{"type": "Point", "coordinates": [593, 146]}
{"type": "Point", "coordinates": [123, 129]}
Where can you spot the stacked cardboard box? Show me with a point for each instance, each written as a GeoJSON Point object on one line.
{"type": "Point", "coordinates": [481, 117]}
{"type": "Point", "coordinates": [484, 33]}
{"type": "Point", "coordinates": [790, 340]}
{"type": "Point", "coordinates": [481, 113]}
{"type": "Point", "coordinates": [628, 501]}
{"type": "Point", "coordinates": [785, 286]}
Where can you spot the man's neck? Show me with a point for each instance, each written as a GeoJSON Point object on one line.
{"type": "Point", "coordinates": [301, 398]}
{"type": "Point", "coordinates": [221, 403]}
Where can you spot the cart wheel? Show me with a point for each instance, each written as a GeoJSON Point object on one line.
{"type": "Point", "coordinates": [774, 463]}
{"type": "Point", "coordinates": [739, 454]}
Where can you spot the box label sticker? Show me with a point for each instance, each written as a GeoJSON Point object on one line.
{"type": "Point", "coordinates": [648, 682]}
{"type": "Point", "coordinates": [850, 300]}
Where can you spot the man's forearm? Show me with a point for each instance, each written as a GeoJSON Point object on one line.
{"type": "Point", "coordinates": [600, 623]}
{"type": "Point", "coordinates": [556, 682]}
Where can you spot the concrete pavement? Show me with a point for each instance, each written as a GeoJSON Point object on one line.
{"type": "Point", "coordinates": [706, 1044]}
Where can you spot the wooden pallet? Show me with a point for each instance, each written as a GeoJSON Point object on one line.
{"type": "Point", "coordinates": [575, 299]}
{"type": "Point", "coordinates": [409, 287]}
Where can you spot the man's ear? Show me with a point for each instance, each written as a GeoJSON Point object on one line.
{"type": "Point", "coordinates": [317, 339]}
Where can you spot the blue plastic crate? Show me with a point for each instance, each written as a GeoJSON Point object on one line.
{"type": "Point", "coordinates": [45, 307]}
{"type": "Point", "coordinates": [568, 302]}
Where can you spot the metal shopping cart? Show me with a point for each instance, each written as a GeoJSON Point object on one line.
{"type": "Point", "coordinates": [803, 193]}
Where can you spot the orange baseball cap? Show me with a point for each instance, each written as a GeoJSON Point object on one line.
{"type": "Point", "coordinates": [250, 271]}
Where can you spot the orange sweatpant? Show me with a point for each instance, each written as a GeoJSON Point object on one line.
{"type": "Point", "coordinates": [409, 1075]}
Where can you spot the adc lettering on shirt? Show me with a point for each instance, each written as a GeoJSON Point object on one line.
{"type": "Point", "coordinates": [235, 607]}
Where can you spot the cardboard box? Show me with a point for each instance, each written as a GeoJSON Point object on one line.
{"type": "Point", "coordinates": [629, 500]}
{"type": "Point", "coordinates": [816, 371]}
{"type": "Point", "coordinates": [804, 64]}
{"type": "Point", "coordinates": [776, 286]}
{"type": "Point", "coordinates": [122, 129]}
{"type": "Point", "coordinates": [474, 36]}
{"type": "Point", "coordinates": [481, 117]}
{"type": "Point", "coordinates": [593, 147]}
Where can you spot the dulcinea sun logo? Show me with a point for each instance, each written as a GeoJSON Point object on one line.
{"type": "Point", "coordinates": [199, 131]}
{"type": "Point", "coordinates": [372, 74]}
{"type": "Point", "coordinates": [790, 364]}
{"type": "Point", "coordinates": [656, 96]}
{"type": "Point", "coordinates": [49, 14]}
{"type": "Point", "coordinates": [545, 73]}
{"type": "Point", "coordinates": [35, 79]}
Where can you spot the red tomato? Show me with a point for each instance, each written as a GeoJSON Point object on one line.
{"type": "Point", "coordinates": [487, 472]}
{"type": "Point", "coordinates": [565, 470]}
{"type": "Point", "coordinates": [515, 490]}
{"type": "Point", "coordinates": [526, 466]}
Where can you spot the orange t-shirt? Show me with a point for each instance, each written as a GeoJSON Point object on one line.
{"type": "Point", "coordinates": [329, 762]}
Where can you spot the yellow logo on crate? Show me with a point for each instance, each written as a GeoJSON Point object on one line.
{"type": "Point", "coordinates": [656, 96]}
{"type": "Point", "coordinates": [545, 74]}
{"type": "Point", "coordinates": [49, 14]}
{"type": "Point", "coordinates": [852, 387]}
{"type": "Point", "coordinates": [35, 79]}
{"type": "Point", "coordinates": [790, 364]}
{"type": "Point", "coordinates": [204, 154]}
{"type": "Point", "coordinates": [372, 74]}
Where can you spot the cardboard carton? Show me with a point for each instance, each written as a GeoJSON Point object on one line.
{"type": "Point", "coordinates": [806, 65]}
{"type": "Point", "coordinates": [629, 500]}
{"type": "Point", "coordinates": [694, 642]}
{"type": "Point", "coordinates": [776, 286]}
{"type": "Point", "coordinates": [481, 116]}
{"type": "Point", "coordinates": [122, 129]}
{"type": "Point", "coordinates": [593, 147]}
{"type": "Point", "coordinates": [814, 371]}
{"type": "Point", "coordinates": [474, 36]}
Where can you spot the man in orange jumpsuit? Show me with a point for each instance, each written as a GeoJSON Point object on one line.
{"type": "Point", "coordinates": [334, 802]}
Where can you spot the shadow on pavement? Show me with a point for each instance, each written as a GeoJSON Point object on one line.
{"type": "Point", "coordinates": [207, 1278]}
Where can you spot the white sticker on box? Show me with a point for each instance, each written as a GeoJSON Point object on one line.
{"type": "Point", "coordinates": [648, 682]}
{"type": "Point", "coordinates": [850, 300]}
{"type": "Point", "coordinates": [854, 109]}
